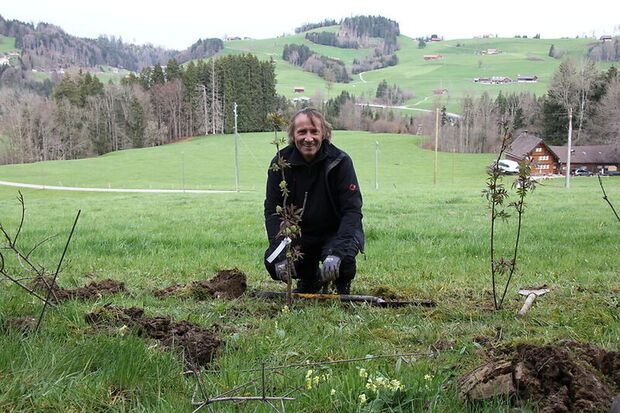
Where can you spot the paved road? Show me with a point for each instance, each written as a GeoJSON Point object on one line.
{"type": "Point", "coordinates": [72, 188]}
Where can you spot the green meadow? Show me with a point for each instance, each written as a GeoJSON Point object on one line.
{"type": "Point", "coordinates": [461, 63]}
{"type": "Point", "coordinates": [425, 240]}
{"type": "Point", "coordinates": [7, 44]}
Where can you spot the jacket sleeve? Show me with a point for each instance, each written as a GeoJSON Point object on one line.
{"type": "Point", "coordinates": [344, 187]}
{"type": "Point", "coordinates": [273, 198]}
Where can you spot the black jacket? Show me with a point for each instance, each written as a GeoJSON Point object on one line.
{"type": "Point", "coordinates": [333, 211]}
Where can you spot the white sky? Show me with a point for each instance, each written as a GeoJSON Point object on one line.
{"type": "Point", "coordinates": [179, 23]}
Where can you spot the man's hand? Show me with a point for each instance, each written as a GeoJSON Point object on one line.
{"type": "Point", "coordinates": [331, 269]}
{"type": "Point", "coordinates": [281, 274]}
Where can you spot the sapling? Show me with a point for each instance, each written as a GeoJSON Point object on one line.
{"type": "Point", "coordinates": [600, 181]}
{"type": "Point", "coordinates": [290, 215]}
{"type": "Point", "coordinates": [496, 194]}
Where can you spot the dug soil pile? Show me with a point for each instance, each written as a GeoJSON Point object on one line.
{"type": "Point", "coordinates": [198, 344]}
{"type": "Point", "coordinates": [92, 290]}
{"type": "Point", "coordinates": [568, 377]}
{"type": "Point", "coordinates": [226, 284]}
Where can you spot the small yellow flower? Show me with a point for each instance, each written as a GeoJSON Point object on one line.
{"type": "Point", "coordinates": [428, 377]}
{"type": "Point", "coordinates": [123, 330]}
{"type": "Point", "coordinates": [362, 398]}
{"type": "Point", "coordinates": [309, 373]}
{"type": "Point", "coordinates": [363, 373]}
{"type": "Point", "coordinates": [285, 309]}
{"type": "Point", "coordinates": [332, 392]}
{"type": "Point", "coordinates": [308, 383]}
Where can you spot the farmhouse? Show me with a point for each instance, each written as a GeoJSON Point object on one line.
{"type": "Point", "coordinates": [527, 78]}
{"type": "Point", "coordinates": [433, 57]}
{"type": "Point", "coordinates": [440, 91]}
{"type": "Point", "coordinates": [491, 52]}
{"type": "Point", "coordinates": [299, 89]}
{"type": "Point", "coordinates": [606, 38]}
{"type": "Point", "coordinates": [547, 159]}
{"type": "Point", "coordinates": [4, 60]}
{"type": "Point", "coordinates": [493, 80]}
{"type": "Point", "coordinates": [531, 148]}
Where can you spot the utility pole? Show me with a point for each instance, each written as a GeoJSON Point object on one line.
{"type": "Point", "coordinates": [376, 164]}
{"type": "Point", "coordinates": [436, 145]}
{"type": "Point", "coordinates": [570, 137]}
{"type": "Point", "coordinates": [236, 150]}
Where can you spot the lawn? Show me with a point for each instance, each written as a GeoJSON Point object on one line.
{"type": "Point", "coordinates": [424, 241]}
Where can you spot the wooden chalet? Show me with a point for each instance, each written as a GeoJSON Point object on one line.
{"type": "Point", "coordinates": [299, 89]}
{"type": "Point", "coordinates": [527, 78]}
{"type": "Point", "coordinates": [531, 148]}
{"type": "Point", "coordinates": [546, 159]}
{"type": "Point", "coordinates": [433, 57]}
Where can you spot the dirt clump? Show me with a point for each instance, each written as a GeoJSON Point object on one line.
{"type": "Point", "coordinates": [21, 324]}
{"type": "Point", "coordinates": [226, 284]}
{"type": "Point", "coordinates": [92, 290]}
{"type": "Point", "coordinates": [198, 344]}
{"type": "Point", "coordinates": [566, 377]}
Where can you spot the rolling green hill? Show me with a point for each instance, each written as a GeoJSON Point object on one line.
{"type": "Point", "coordinates": [461, 63]}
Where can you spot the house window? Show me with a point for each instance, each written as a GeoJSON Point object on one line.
{"type": "Point", "coordinates": [543, 158]}
{"type": "Point", "coordinates": [538, 150]}
{"type": "Point", "coordinates": [545, 166]}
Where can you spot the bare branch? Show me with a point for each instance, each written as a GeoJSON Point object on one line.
{"type": "Point", "coordinates": [600, 181]}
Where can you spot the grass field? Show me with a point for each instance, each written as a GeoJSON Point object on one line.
{"type": "Point", "coordinates": [455, 72]}
{"type": "Point", "coordinates": [7, 44]}
{"type": "Point", "coordinates": [424, 241]}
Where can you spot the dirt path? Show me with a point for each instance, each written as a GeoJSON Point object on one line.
{"type": "Point", "coordinates": [72, 188]}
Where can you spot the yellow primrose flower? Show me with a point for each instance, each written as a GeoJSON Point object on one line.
{"type": "Point", "coordinates": [363, 373]}
{"type": "Point", "coordinates": [362, 398]}
{"type": "Point", "coordinates": [332, 392]}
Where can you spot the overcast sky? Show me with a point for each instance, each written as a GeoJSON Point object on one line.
{"type": "Point", "coordinates": [179, 23]}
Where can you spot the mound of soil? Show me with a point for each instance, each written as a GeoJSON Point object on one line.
{"type": "Point", "coordinates": [227, 284]}
{"type": "Point", "coordinates": [92, 290]}
{"type": "Point", "coordinates": [568, 377]}
{"type": "Point", "coordinates": [198, 344]}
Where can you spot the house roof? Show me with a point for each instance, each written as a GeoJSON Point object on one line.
{"type": "Point", "coordinates": [599, 154]}
{"type": "Point", "coordinates": [523, 145]}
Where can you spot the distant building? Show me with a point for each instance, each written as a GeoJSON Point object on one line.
{"type": "Point", "coordinates": [433, 57]}
{"type": "Point", "coordinates": [440, 91]}
{"type": "Point", "coordinates": [299, 89]}
{"type": "Point", "coordinates": [301, 99]}
{"type": "Point", "coordinates": [491, 51]}
{"type": "Point", "coordinates": [547, 159]}
{"type": "Point", "coordinates": [527, 78]}
{"type": "Point", "coordinates": [606, 38]}
{"type": "Point", "coordinates": [493, 80]}
{"type": "Point", "coordinates": [4, 60]}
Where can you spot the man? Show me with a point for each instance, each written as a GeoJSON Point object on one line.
{"type": "Point", "coordinates": [321, 178]}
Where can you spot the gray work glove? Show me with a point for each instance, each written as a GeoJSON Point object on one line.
{"type": "Point", "coordinates": [281, 274]}
{"type": "Point", "coordinates": [331, 269]}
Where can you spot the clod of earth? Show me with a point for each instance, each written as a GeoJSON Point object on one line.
{"type": "Point", "coordinates": [198, 344]}
{"type": "Point", "coordinates": [21, 324]}
{"type": "Point", "coordinates": [568, 377]}
{"type": "Point", "coordinates": [227, 284]}
{"type": "Point", "coordinates": [92, 290]}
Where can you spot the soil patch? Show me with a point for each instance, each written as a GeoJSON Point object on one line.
{"type": "Point", "coordinates": [197, 344]}
{"type": "Point", "coordinates": [226, 284]}
{"type": "Point", "coordinates": [22, 324]}
{"type": "Point", "coordinates": [567, 377]}
{"type": "Point", "coordinates": [92, 290]}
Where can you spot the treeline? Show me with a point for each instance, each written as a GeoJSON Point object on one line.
{"type": "Point", "coordinates": [373, 26]}
{"type": "Point", "coordinates": [605, 51]}
{"type": "Point", "coordinates": [83, 117]}
{"type": "Point", "coordinates": [332, 39]}
{"type": "Point", "coordinates": [377, 60]}
{"type": "Point", "coordinates": [48, 47]}
{"type": "Point", "coordinates": [329, 68]}
{"type": "Point", "coordinates": [310, 26]}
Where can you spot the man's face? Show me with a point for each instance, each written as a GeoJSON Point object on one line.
{"type": "Point", "coordinates": [307, 136]}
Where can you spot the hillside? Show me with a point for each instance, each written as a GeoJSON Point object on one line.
{"type": "Point", "coordinates": [455, 72]}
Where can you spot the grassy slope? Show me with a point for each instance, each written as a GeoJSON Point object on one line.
{"type": "Point", "coordinates": [7, 44]}
{"type": "Point", "coordinates": [455, 72]}
{"type": "Point", "coordinates": [424, 241]}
